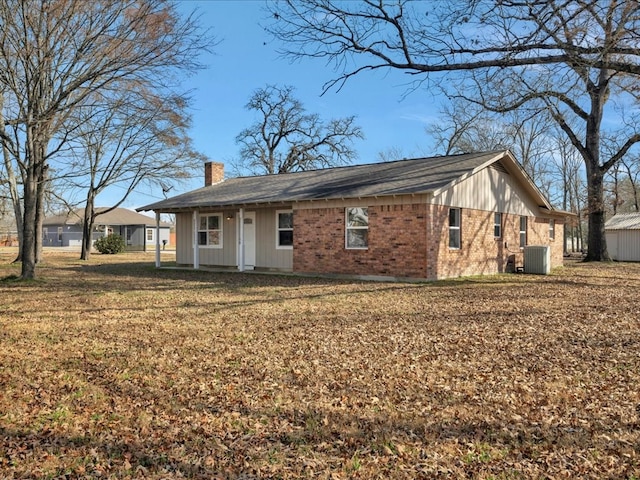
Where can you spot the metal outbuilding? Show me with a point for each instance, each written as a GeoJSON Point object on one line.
{"type": "Point", "coordinates": [623, 237]}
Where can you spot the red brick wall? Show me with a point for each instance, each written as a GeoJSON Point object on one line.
{"type": "Point", "coordinates": [481, 253]}
{"type": "Point", "coordinates": [403, 243]}
{"type": "Point", "coordinates": [396, 242]}
{"type": "Point", "coordinates": [539, 235]}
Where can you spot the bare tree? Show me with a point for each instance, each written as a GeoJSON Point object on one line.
{"type": "Point", "coordinates": [134, 140]}
{"type": "Point", "coordinates": [570, 57]}
{"type": "Point", "coordinates": [612, 188]}
{"type": "Point", "coordinates": [390, 154]}
{"type": "Point", "coordinates": [464, 127]}
{"type": "Point", "coordinates": [632, 169]}
{"type": "Point", "coordinates": [569, 174]}
{"type": "Point", "coordinates": [623, 185]}
{"type": "Point", "coordinates": [10, 178]}
{"type": "Point", "coordinates": [54, 55]}
{"type": "Point", "coordinates": [286, 138]}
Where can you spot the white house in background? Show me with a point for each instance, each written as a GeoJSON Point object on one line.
{"type": "Point", "coordinates": [623, 237]}
{"type": "Point", "coordinates": [138, 231]}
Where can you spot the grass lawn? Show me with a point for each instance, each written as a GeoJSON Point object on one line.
{"type": "Point", "coordinates": [113, 369]}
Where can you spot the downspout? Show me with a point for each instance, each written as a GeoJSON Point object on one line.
{"type": "Point", "coordinates": [157, 240]}
{"type": "Point", "coordinates": [241, 240]}
{"type": "Point", "coordinates": [196, 250]}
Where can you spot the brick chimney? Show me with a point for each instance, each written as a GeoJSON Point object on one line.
{"type": "Point", "coordinates": [213, 173]}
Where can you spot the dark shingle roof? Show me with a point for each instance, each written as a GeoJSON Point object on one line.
{"type": "Point", "coordinates": [414, 176]}
{"type": "Point", "coordinates": [117, 216]}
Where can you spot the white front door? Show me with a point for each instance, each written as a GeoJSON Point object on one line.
{"type": "Point", "coordinates": [249, 225]}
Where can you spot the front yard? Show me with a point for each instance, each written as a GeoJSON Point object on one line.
{"type": "Point", "coordinates": [113, 369]}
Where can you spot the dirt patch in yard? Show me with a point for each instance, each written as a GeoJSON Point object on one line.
{"type": "Point", "coordinates": [114, 369]}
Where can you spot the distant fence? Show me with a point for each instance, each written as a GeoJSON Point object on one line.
{"type": "Point", "coordinates": [9, 239]}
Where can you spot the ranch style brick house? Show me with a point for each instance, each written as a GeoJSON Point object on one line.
{"type": "Point", "coordinates": [423, 218]}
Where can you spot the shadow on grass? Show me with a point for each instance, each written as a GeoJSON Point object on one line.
{"type": "Point", "coordinates": [326, 435]}
{"type": "Point", "coordinates": [91, 456]}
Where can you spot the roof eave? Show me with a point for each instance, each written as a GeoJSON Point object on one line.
{"type": "Point", "coordinates": [274, 203]}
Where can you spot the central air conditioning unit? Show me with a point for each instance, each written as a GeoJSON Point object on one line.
{"type": "Point", "coordinates": [537, 259]}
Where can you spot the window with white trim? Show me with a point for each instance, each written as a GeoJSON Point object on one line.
{"type": "Point", "coordinates": [284, 229]}
{"type": "Point", "coordinates": [149, 234]}
{"type": "Point", "coordinates": [357, 227]}
{"type": "Point", "coordinates": [497, 225]}
{"type": "Point", "coordinates": [523, 232]}
{"type": "Point", "coordinates": [552, 229]}
{"type": "Point", "coordinates": [455, 238]}
{"type": "Point", "coordinates": [210, 230]}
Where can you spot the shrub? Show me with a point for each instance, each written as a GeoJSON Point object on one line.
{"type": "Point", "coordinates": [110, 244]}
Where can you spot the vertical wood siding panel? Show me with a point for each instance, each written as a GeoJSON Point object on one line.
{"type": "Point", "coordinates": [490, 190]}
{"type": "Point", "coordinates": [184, 239]}
{"type": "Point", "coordinates": [267, 256]}
{"type": "Point", "coordinates": [225, 256]}
{"type": "Point", "coordinates": [230, 242]}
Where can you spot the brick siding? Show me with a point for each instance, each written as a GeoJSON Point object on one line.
{"type": "Point", "coordinates": [539, 235]}
{"type": "Point", "coordinates": [404, 243]}
{"type": "Point", "coordinates": [481, 253]}
{"type": "Point", "coordinates": [213, 173]}
{"type": "Point", "coordinates": [396, 242]}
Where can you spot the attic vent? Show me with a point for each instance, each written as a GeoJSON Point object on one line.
{"type": "Point", "coordinates": [498, 166]}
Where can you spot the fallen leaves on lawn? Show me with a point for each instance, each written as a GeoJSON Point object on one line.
{"type": "Point", "coordinates": [113, 369]}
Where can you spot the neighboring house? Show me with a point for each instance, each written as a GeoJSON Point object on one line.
{"type": "Point", "coordinates": [623, 237]}
{"type": "Point", "coordinates": [425, 218]}
{"type": "Point", "coordinates": [138, 231]}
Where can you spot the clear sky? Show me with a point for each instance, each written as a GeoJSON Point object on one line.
{"type": "Point", "coordinates": [246, 59]}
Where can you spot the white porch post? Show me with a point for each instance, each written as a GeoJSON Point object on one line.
{"type": "Point", "coordinates": [241, 240]}
{"type": "Point", "coordinates": [196, 250]}
{"type": "Point", "coordinates": [157, 239]}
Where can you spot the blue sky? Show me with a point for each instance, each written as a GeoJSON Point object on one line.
{"type": "Point", "coordinates": [246, 59]}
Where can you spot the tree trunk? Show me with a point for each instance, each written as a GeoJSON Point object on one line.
{"type": "Point", "coordinates": [29, 227]}
{"type": "Point", "coordinates": [13, 184]}
{"type": "Point", "coordinates": [634, 186]}
{"type": "Point", "coordinates": [597, 244]}
{"type": "Point", "coordinates": [40, 198]}
{"type": "Point", "coordinates": [33, 191]}
{"type": "Point", "coordinates": [616, 190]}
{"type": "Point", "coordinates": [87, 227]}
{"type": "Point", "coordinates": [15, 199]}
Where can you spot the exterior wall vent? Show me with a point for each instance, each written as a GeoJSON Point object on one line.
{"type": "Point", "coordinates": [537, 259]}
{"type": "Point", "coordinates": [498, 166]}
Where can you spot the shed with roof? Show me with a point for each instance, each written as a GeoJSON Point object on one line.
{"type": "Point", "coordinates": [623, 237]}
